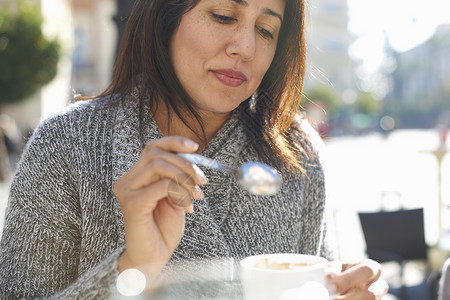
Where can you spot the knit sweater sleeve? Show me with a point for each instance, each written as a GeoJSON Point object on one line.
{"type": "Point", "coordinates": [40, 246]}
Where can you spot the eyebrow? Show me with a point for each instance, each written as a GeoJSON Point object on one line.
{"type": "Point", "coordinates": [270, 12]}
{"type": "Point", "coordinates": [267, 11]}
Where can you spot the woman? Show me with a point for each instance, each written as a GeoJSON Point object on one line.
{"type": "Point", "coordinates": [100, 189]}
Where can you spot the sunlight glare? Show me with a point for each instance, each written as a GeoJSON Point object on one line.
{"type": "Point", "coordinates": [131, 282]}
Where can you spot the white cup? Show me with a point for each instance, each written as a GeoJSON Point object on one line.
{"type": "Point", "coordinates": [267, 276]}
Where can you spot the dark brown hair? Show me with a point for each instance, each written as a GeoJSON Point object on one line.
{"type": "Point", "coordinates": [144, 59]}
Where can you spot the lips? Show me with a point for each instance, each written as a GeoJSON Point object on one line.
{"type": "Point", "coordinates": [230, 77]}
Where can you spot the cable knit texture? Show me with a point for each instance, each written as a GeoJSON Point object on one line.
{"type": "Point", "coordinates": [63, 230]}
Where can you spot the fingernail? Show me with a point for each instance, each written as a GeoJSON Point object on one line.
{"type": "Point", "coordinates": [331, 287]}
{"type": "Point", "coordinates": [191, 144]}
{"type": "Point", "coordinates": [189, 209]}
{"type": "Point", "coordinates": [198, 193]}
{"type": "Point", "coordinates": [330, 284]}
{"type": "Point", "coordinates": [200, 175]}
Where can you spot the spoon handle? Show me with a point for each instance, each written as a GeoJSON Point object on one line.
{"type": "Point", "coordinates": [206, 162]}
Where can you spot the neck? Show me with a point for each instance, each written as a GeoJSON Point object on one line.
{"type": "Point", "coordinates": [212, 122]}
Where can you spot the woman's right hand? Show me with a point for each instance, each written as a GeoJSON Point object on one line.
{"type": "Point", "coordinates": [154, 196]}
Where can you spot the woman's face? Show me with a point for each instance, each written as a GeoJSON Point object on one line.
{"type": "Point", "coordinates": [222, 49]}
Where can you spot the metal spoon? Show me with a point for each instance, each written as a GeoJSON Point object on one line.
{"type": "Point", "coordinates": [258, 178]}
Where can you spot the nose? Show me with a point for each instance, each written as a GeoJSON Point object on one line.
{"type": "Point", "coordinates": [243, 43]}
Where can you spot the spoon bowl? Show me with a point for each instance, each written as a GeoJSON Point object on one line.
{"type": "Point", "coordinates": [257, 178]}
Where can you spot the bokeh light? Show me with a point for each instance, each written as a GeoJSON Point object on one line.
{"type": "Point", "coordinates": [131, 282]}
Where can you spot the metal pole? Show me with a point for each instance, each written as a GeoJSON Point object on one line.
{"type": "Point", "coordinates": [439, 153]}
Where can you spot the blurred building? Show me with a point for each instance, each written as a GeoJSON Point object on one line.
{"type": "Point", "coordinates": [95, 38]}
{"type": "Point", "coordinates": [328, 43]}
{"type": "Point", "coordinates": [424, 69]}
{"type": "Point", "coordinates": [420, 80]}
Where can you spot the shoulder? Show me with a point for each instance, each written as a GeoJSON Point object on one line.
{"type": "Point", "coordinates": [75, 123]}
{"type": "Point", "coordinates": [309, 147]}
{"type": "Point", "coordinates": [78, 114]}
{"type": "Point", "coordinates": [312, 135]}
{"type": "Point", "coordinates": [82, 110]}
{"type": "Point", "coordinates": [306, 136]}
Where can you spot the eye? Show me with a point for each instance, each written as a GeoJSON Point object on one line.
{"type": "Point", "coordinates": [224, 19]}
{"type": "Point", "coordinates": [264, 32]}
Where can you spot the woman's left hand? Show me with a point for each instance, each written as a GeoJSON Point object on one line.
{"type": "Point", "coordinates": [358, 281]}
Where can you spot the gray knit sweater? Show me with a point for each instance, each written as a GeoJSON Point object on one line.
{"type": "Point", "coordinates": [63, 230]}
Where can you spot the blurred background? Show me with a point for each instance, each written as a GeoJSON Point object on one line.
{"type": "Point", "coordinates": [377, 90]}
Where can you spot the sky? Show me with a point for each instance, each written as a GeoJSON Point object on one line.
{"type": "Point", "coordinates": [406, 23]}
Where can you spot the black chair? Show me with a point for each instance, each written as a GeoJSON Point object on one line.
{"type": "Point", "coordinates": [396, 236]}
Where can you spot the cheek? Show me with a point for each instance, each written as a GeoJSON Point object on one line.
{"type": "Point", "coordinates": [264, 64]}
{"type": "Point", "coordinates": [189, 46]}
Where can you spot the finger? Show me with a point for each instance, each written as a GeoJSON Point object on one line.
{"type": "Point", "coordinates": [146, 199]}
{"type": "Point", "coordinates": [182, 196]}
{"type": "Point", "coordinates": [375, 291]}
{"type": "Point", "coordinates": [334, 267]}
{"type": "Point", "coordinates": [346, 266]}
{"type": "Point", "coordinates": [154, 153]}
{"type": "Point", "coordinates": [189, 209]}
{"type": "Point", "coordinates": [159, 169]}
{"type": "Point", "coordinates": [170, 144]}
{"type": "Point", "coordinates": [183, 164]}
{"type": "Point", "coordinates": [379, 288]}
{"type": "Point", "coordinates": [357, 294]}
{"type": "Point", "coordinates": [130, 183]}
{"type": "Point", "coordinates": [362, 274]}
{"type": "Point", "coordinates": [180, 190]}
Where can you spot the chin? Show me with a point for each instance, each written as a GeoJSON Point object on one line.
{"type": "Point", "coordinates": [226, 110]}
{"type": "Point", "coordinates": [221, 108]}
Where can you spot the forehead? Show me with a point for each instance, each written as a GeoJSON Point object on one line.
{"type": "Point", "coordinates": [248, 3]}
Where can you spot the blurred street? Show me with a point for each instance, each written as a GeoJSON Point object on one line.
{"type": "Point", "coordinates": [374, 172]}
